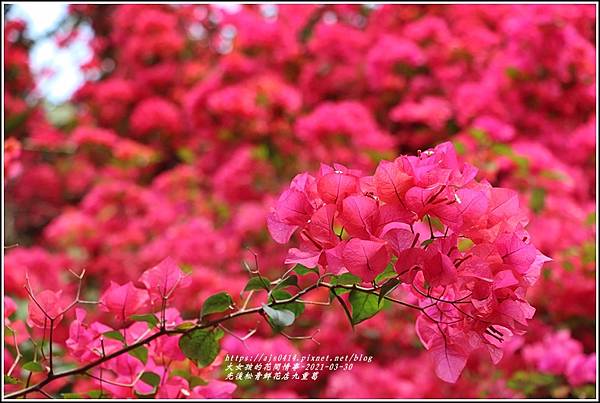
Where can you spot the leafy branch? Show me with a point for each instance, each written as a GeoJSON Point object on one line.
{"type": "Point", "coordinates": [189, 329]}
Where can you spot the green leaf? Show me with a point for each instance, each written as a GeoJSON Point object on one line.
{"type": "Point", "coordinates": [436, 223]}
{"type": "Point", "coordinates": [201, 345]}
{"type": "Point", "coordinates": [303, 270]}
{"type": "Point", "coordinates": [11, 380]}
{"type": "Point", "coordinates": [225, 134]}
{"type": "Point", "coordinates": [522, 164]}
{"type": "Point", "coordinates": [196, 381]}
{"type": "Point", "coordinates": [387, 288]}
{"type": "Point", "coordinates": [14, 121]}
{"type": "Point", "coordinates": [427, 242]}
{"type": "Point", "coordinates": [588, 252]}
{"type": "Point", "coordinates": [186, 155]}
{"type": "Point", "coordinates": [345, 279]}
{"type": "Point", "coordinates": [8, 332]}
{"type": "Point", "coordinates": [141, 353]}
{"type": "Point", "coordinates": [503, 149]}
{"type": "Point", "coordinates": [585, 392]}
{"type": "Point", "coordinates": [150, 395]}
{"type": "Point", "coordinates": [377, 156]}
{"type": "Point", "coordinates": [529, 382]}
{"type": "Point", "coordinates": [333, 293]}
{"type": "Point", "coordinates": [258, 283]}
{"type": "Point", "coordinates": [278, 295]}
{"type": "Point", "coordinates": [262, 99]}
{"type": "Point", "coordinates": [115, 335]}
{"type": "Point", "coordinates": [149, 318]}
{"type": "Point", "coordinates": [261, 152]}
{"type": "Point", "coordinates": [514, 73]}
{"type": "Point", "coordinates": [94, 394]}
{"type": "Point", "coordinates": [465, 244]}
{"type": "Point", "coordinates": [216, 303]}
{"type": "Point", "coordinates": [71, 396]}
{"type": "Point", "coordinates": [287, 282]}
{"type": "Point", "coordinates": [538, 198]}
{"type": "Point", "coordinates": [364, 305]}
{"type": "Point", "coordinates": [279, 318]}
{"type": "Point", "coordinates": [388, 273]}
{"type": "Point", "coordinates": [591, 218]}
{"type": "Point", "coordinates": [460, 147]}
{"type": "Point", "coordinates": [33, 366]}
{"type": "Point", "coordinates": [150, 378]}
{"type": "Point", "coordinates": [186, 268]}
{"type": "Point", "coordinates": [480, 135]}
{"type": "Point", "coordinates": [553, 174]}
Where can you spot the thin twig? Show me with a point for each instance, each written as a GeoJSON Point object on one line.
{"type": "Point", "coordinates": [242, 339]}
{"type": "Point", "coordinates": [311, 337]}
{"type": "Point", "coordinates": [247, 300]}
{"type": "Point", "coordinates": [19, 355]}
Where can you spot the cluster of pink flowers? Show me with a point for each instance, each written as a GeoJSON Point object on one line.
{"type": "Point", "coordinates": [472, 296]}
{"type": "Point", "coordinates": [87, 339]}
{"type": "Point", "coordinates": [559, 354]}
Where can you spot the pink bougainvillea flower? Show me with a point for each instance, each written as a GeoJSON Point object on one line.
{"type": "Point", "coordinates": [449, 359]}
{"type": "Point", "coordinates": [123, 300]}
{"type": "Point", "coordinates": [439, 269]}
{"type": "Point", "coordinates": [9, 308]}
{"type": "Point", "coordinates": [393, 179]}
{"type": "Point", "coordinates": [336, 186]}
{"type": "Point", "coordinates": [459, 246]}
{"type": "Point", "coordinates": [47, 307]}
{"type": "Point", "coordinates": [581, 369]}
{"type": "Point", "coordinates": [162, 280]}
{"type": "Point", "coordinates": [359, 215]}
{"type": "Point", "coordinates": [365, 259]}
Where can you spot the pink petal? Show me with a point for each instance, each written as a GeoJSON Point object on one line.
{"type": "Point", "coordinates": [123, 300]}
{"type": "Point", "coordinates": [49, 308]}
{"type": "Point", "coordinates": [215, 390]}
{"type": "Point", "coordinates": [335, 186]}
{"type": "Point", "coordinates": [321, 224]}
{"type": "Point", "coordinates": [515, 252]}
{"type": "Point", "coordinates": [365, 259]}
{"type": "Point", "coordinates": [398, 235]}
{"type": "Point", "coordinates": [309, 259]}
{"type": "Point", "coordinates": [280, 232]}
{"type": "Point", "coordinates": [519, 311]}
{"type": "Point", "coordinates": [449, 360]}
{"type": "Point", "coordinates": [472, 206]}
{"type": "Point", "coordinates": [439, 270]}
{"type": "Point", "coordinates": [504, 204]}
{"type": "Point", "coordinates": [359, 214]}
{"type": "Point", "coordinates": [293, 207]}
{"type": "Point", "coordinates": [476, 267]}
{"type": "Point", "coordinates": [162, 279]}
{"type": "Point", "coordinates": [391, 183]}
{"type": "Point", "coordinates": [334, 256]}
{"type": "Point", "coordinates": [426, 330]}
{"type": "Point", "coordinates": [410, 261]}
{"type": "Point", "coordinates": [504, 278]}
